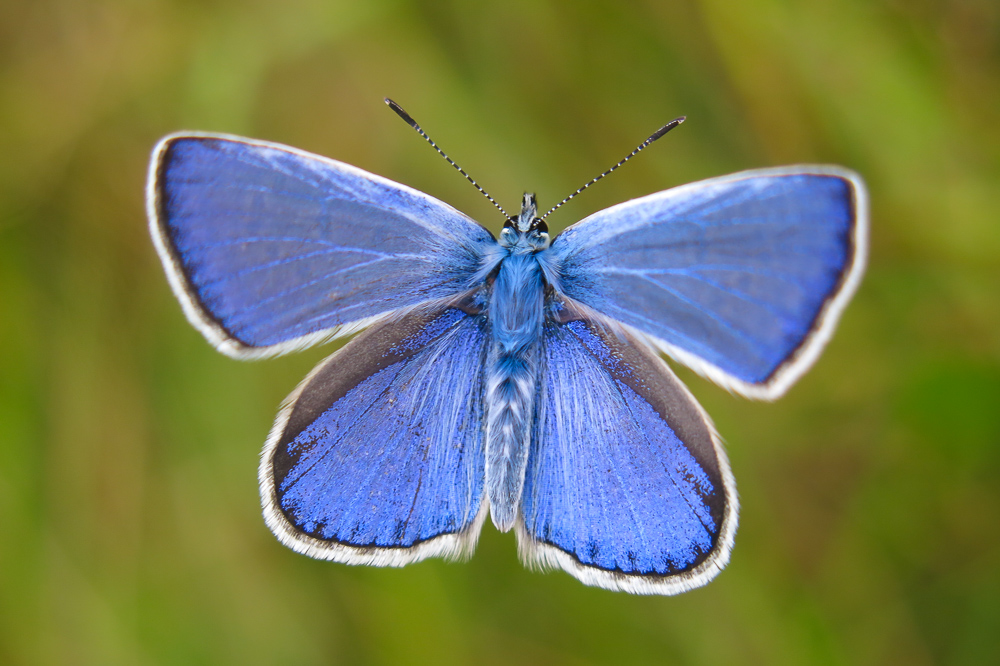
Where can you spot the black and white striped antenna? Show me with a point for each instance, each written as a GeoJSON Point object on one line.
{"type": "Point", "coordinates": [413, 123]}
{"type": "Point", "coordinates": [653, 137]}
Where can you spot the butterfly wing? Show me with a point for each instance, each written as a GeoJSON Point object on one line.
{"type": "Point", "coordinates": [741, 278]}
{"type": "Point", "coordinates": [627, 485]}
{"type": "Point", "coordinates": [271, 249]}
{"type": "Point", "coordinates": [377, 457]}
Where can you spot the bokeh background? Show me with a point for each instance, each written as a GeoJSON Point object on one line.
{"type": "Point", "coordinates": [130, 528]}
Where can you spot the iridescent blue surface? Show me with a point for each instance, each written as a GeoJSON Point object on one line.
{"type": "Point", "coordinates": [610, 481]}
{"type": "Point", "coordinates": [733, 271]}
{"type": "Point", "coordinates": [277, 245]}
{"type": "Point", "coordinates": [393, 460]}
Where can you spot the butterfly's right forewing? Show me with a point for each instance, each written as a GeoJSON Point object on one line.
{"type": "Point", "coordinates": [742, 278]}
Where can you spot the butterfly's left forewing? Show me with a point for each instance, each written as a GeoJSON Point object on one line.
{"type": "Point", "coordinates": [377, 457]}
{"type": "Point", "coordinates": [271, 249]}
{"type": "Point", "coordinates": [627, 486]}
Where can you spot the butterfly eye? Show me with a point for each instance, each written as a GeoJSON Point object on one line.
{"type": "Point", "coordinates": [540, 226]}
{"type": "Point", "coordinates": [510, 223]}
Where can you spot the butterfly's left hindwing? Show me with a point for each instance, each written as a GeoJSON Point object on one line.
{"type": "Point", "coordinates": [627, 486]}
{"type": "Point", "coordinates": [377, 457]}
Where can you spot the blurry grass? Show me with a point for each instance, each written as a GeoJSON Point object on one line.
{"type": "Point", "coordinates": [128, 498]}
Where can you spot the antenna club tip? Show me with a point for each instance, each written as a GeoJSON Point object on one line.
{"type": "Point", "coordinates": [666, 128]}
{"type": "Point", "coordinates": [401, 113]}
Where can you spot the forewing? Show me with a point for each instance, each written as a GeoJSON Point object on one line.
{"type": "Point", "coordinates": [377, 457]}
{"type": "Point", "coordinates": [627, 486]}
{"type": "Point", "coordinates": [742, 278]}
{"type": "Point", "coordinates": [271, 249]}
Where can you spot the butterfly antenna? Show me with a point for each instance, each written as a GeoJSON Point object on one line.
{"type": "Point", "coordinates": [413, 123]}
{"type": "Point", "coordinates": [653, 137]}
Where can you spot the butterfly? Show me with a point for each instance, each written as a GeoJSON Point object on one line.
{"type": "Point", "coordinates": [517, 376]}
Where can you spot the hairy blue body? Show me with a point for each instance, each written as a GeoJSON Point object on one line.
{"type": "Point", "coordinates": [516, 320]}
{"type": "Point", "coordinates": [516, 313]}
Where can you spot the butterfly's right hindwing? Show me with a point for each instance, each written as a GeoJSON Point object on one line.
{"type": "Point", "coordinates": [378, 457]}
{"type": "Point", "coordinates": [627, 485]}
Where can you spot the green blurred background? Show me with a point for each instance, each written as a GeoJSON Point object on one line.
{"type": "Point", "coordinates": [130, 528]}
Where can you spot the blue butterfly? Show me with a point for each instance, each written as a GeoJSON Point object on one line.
{"type": "Point", "coordinates": [517, 376]}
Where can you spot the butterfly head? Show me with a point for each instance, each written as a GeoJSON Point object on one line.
{"type": "Point", "coordinates": [527, 230]}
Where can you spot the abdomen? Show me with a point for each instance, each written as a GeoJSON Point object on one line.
{"type": "Point", "coordinates": [515, 311]}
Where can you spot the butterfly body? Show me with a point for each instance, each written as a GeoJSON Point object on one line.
{"type": "Point", "coordinates": [516, 312]}
{"type": "Point", "coordinates": [516, 376]}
